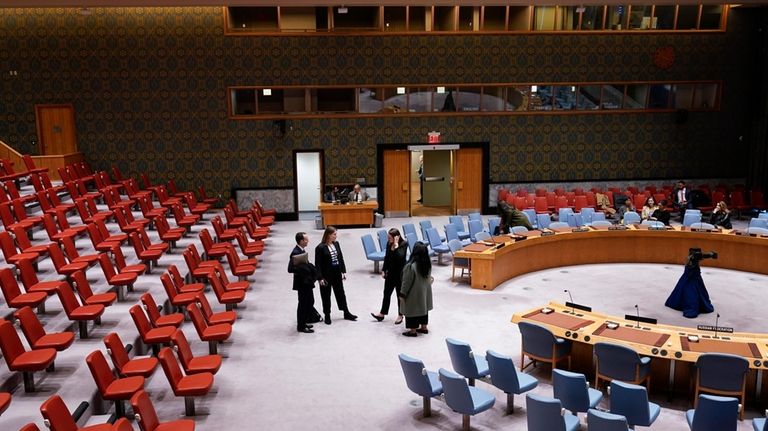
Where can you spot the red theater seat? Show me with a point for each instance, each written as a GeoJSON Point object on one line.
{"type": "Point", "coordinates": [112, 388]}
{"type": "Point", "coordinates": [189, 386]}
{"type": "Point", "coordinates": [190, 363]}
{"type": "Point", "coordinates": [125, 366]}
{"type": "Point", "coordinates": [146, 416]}
{"type": "Point", "coordinates": [19, 359]}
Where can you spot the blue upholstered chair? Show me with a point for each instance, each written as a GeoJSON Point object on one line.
{"type": "Point", "coordinates": [631, 217]}
{"type": "Point", "coordinates": [763, 215]}
{"type": "Point", "coordinates": [475, 226]}
{"type": "Point", "coordinates": [436, 245]}
{"type": "Point", "coordinates": [427, 224]}
{"type": "Point", "coordinates": [421, 381]}
{"type": "Point", "coordinates": [482, 236]}
{"type": "Point", "coordinates": [616, 362]}
{"type": "Point", "coordinates": [475, 216]}
{"type": "Point", "coordinates": [458, 262]}
{"type": "Point", "coordinates": [505, 376]}
{"type": "Point", "coordinates": [519, 229]}
{"type": "Point", "coordinates": [558, 225]}
{"type": "Point", "coordinates": [458, 221]}
{"type": "Point", "coordinates": [702, 225]}
{"type": "Point", "coordinates": [575, 220]}
{"type": "Point", "coordinates": [757, 231]}
{"type": "Point", "coordinates": [631, 401]}
{"type": "Point", "coordinates": [562, 214]}
{"type": "Point", "coordinates": [691, 218]}
{"type": "Point", "coordinates": [722, 374]}
{"type": "Point", "coordinates": [383, 239]}
{"type": "Point", "coordinates": [601, 421]}
{"type": "Point", "coordinates": [540, 344]}
{"type": "Point", "coordinates": [493, 223]}
{"type": "Point", "coordinates": [465, 362]}
{"type": "Point", "coordinates": [693, 211]}
{"type": "Point", "coordinates": [759, 222]}
{"type": "Point", "coordinates": [462, 398]}
{"type": "Point", "coordinates": [714, 414]}
{"type": "Point", "coordinates": [451, 233]}
{"type": "Point", "coordinates": [598, 216]}
{"type": "Point", "coordinates": [759, 424]}
{"type": "Point", "coordinates": [653, 223]}
{"type": "Point", "coordinates": [601, 223]}
{"type": "Point", "coordinates": [587, 214]}
{"type": "Point", "coordinates": [531, 214]}
{"type": "Point", "coordinates": [574, 392]}
{"type": "Point", "coordinates": [371, 253]}
{"type": "Point", "coordinates": [547, 414]}
{"type": "Point", "coordinates": [543, 221]}
{"type": "Point", "coordinates": [410, 228]}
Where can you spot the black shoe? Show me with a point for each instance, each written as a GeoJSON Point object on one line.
{"type": "Point", "coordinates": [349, 316]}
{"type": "Point", "coordinates": [305, 330]}
{"type": "Point", "coordinates": [378, 318]}
{"type": "Point", "coordinates": [410, 334]}
{"type": "Point", "coordinates": [422, 331]}
{"type": "Point", "coordinates": [327, 319]}
{"type": "Point", "coordinates": [309, 326]}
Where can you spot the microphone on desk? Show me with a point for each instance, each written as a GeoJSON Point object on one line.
{"type": "Point", "coordinates": [637, 310]}
{"type": "Point", "coordinates": [570, 296]}
{"type": "Point", "coordinates": [717, 319]}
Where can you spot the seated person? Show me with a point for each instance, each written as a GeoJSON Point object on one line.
{"type": "Point", "coordinates": [625, 205]}
{"type": "Point", "coordinates": [721, 216]}
{"type": "Point", "coordinates": [358, 195]}
{"type": "Point", "coordinates": [604, 205]}
{"type": "Point", "coordinates": [511, 216]}
{"type": "Point", "coordinates": [652, 211]}
{"type": "Point", "coordinates": [332, 195]}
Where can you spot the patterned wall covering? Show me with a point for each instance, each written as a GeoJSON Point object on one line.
{"type": "Point", "coordinates": [149, 90]}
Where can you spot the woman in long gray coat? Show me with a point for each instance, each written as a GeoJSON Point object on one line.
{"type": "Point", "coordinates": [416, 291]}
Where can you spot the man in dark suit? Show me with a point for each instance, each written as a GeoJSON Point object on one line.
{"type": "Point", "coordinates": [681, 198]}
{"type": "Point", "coordinates": [304, 277]}
{"type": "Point", "coordinates": [358, 194]}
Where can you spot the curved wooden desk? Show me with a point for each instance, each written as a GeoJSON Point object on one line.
{"type": "Point", "coordinates": [493, 266]}
{"type": "Point", "coordinates": [348, 213]}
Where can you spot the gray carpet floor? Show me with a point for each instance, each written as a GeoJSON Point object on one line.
{"type": "Point", "coordinates": [346, 375]}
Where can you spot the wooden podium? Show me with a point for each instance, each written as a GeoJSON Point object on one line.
{"type": "Point", "coordinates": [348, 214]}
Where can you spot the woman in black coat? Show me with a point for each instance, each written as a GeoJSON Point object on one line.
{"type": "Point", "coordinates": [329, 261]}
{"type": "Point", "coordinates": [392, 271]}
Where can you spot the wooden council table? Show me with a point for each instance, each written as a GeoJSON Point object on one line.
{"type": "Point", "coordinates": [674, 353]}
{"type": "Point", "coordinates": [491, 266]}
{"type": "Point", "coordinates": [348, 214]}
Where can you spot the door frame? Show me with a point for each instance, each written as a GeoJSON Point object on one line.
{"type": "Point", "coordinates": [296, 181]}
{"type": "Point", "coordinates": [380, 148]}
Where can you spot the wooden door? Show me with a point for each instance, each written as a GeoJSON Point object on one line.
{"type": "Point", "coordinates": [468, 180]}
{"type": "Point", "coordinates": [397, 181]}
{"type": "Point", "coordinates": [56, 129]}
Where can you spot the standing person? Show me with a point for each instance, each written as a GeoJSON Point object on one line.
{"type": "Point", "coordinates": [416, 291]}
{"type": "Point", "coordinates": [330, 263]}
{"type": "Point", "coordinates": [392, 271]}
{"type": "Point", "coordinates": [681, 198]}
{"type": "Point", "coordinates": [304, 277]}
{"type": "Point", "coordinates": [420, 171]}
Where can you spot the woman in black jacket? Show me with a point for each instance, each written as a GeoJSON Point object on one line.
{"type": "Point", "coordinates": [392, 271]}
{"type": "Point", "coordinates": [330, 263]}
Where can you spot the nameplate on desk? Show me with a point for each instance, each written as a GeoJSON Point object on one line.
{"type": "Point", "coordinates": [519, 237]}
{"type": "Point", "coordinates": [726, 329]}
{"type": "Point", "coordinates": [578, 306]}
{"type": "Point", "coordinates": [657, 228]}
{"type": "Point", "coordinates": [500, 245]}
{"type": "Point", "coordinates": [580, 229]}
{"type": "Point", "coordinates": [641, 319]}
{"type": "Point", "coordinates": [617, 227]}
{"type": "Point", "coordinates": [547, 233]}
{"type": "Point", "coordinates": [697, 229]}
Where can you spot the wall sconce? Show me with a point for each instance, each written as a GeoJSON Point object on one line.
{"type": "Point", "coordinates": [266, 92]}
{"type": "Point", "coordinates": [534, 88]}
{"type": "Point", "coordinates": [400, 90]}
{"type": "Point", "coordinates": [440, 90]}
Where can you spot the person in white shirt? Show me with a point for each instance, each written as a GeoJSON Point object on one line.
{"type": "Point", "coordinates": [358, 195]}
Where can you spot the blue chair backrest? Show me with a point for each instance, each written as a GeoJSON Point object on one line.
{"type": "Point", "coordinates": [759, 222]}
{"type": "Point", "coordinates": [475, 216]}
{"type": "Point", "coordinates": [722, 371]}
{"type": "Point", "coordinates": [368, 245]}
{"type": "Point", "coordinates": [412, 240]}
{"type": "Point", "coordinates": [653, 223]}
{"type": "Point", "coordinates": [537, 339]}
{"type": "Point", "coordinates": [598, 223]}
{"type": "Point", "coordinates": [598, 217]}
{"type": "Point", "coordinates": [691, 218]}
{"type": "Point", "coordinates": [702, 225]}
{"type": "Point", "coordinates": [544, 414]}
{"type": "Point", "coordinates": [575, 220]}
{"type": "Point", "coordinates": [482, 236]}
{"type": "Point", "coordinates": [493, 223]}
{"type": "Point", "coordinates": [763, 215]}
{"type": "Point", "coordinates": [416, 375]}
{"type": "Point", "coordinates": [503, 372]}
{"type": "Point", "coordinates": [601, 421]}
{"type": "Point", "coordinates": [462, 358]}
{"type": "Point", "coordinates": [630, 401]}
{"type": "Point", "coordinates": [558, 224]}
{"type": "Point", "coordinates": [757, 231]}
{"type": "Point", "coordinates": [409, 228]}
{"type": "Point", "coordinates": [475, 226]}
{"type": "Point", "coordinates": [693, 211]}
{"type": "Point", "coordinates": [587, 214]}
{"type": "Point", "coordinates": [562, 214]}
{"type": "Point", "coordinates": [571, 389]}
{"type": "Point", "coordinates": [519, 229]}
{"type": "Point", "coordinates": [383, 239]}
{"type": "Point", "coordinates": [456, 391]}
{"type": "Point", "coordinates": [457, 221]}
{"type": "Point", "coordinates": [631, 217]}
{"type": "Point", "coordinates": [434, 238]}
{"type": "Point", "coordinates": [424, 225]}
{"type": "Point", "coordinates": [531, 213]}
{"type": "Point", "coordinates": [617, 361]}
{"type": "Point", "coordinates": [543, 221]}
{"type": "Point", "coordinates": [715, 414]}
{"type": "Point", "coordinates": [451, 232]}
{"type": "Point", "coordinates": [455, 245]}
